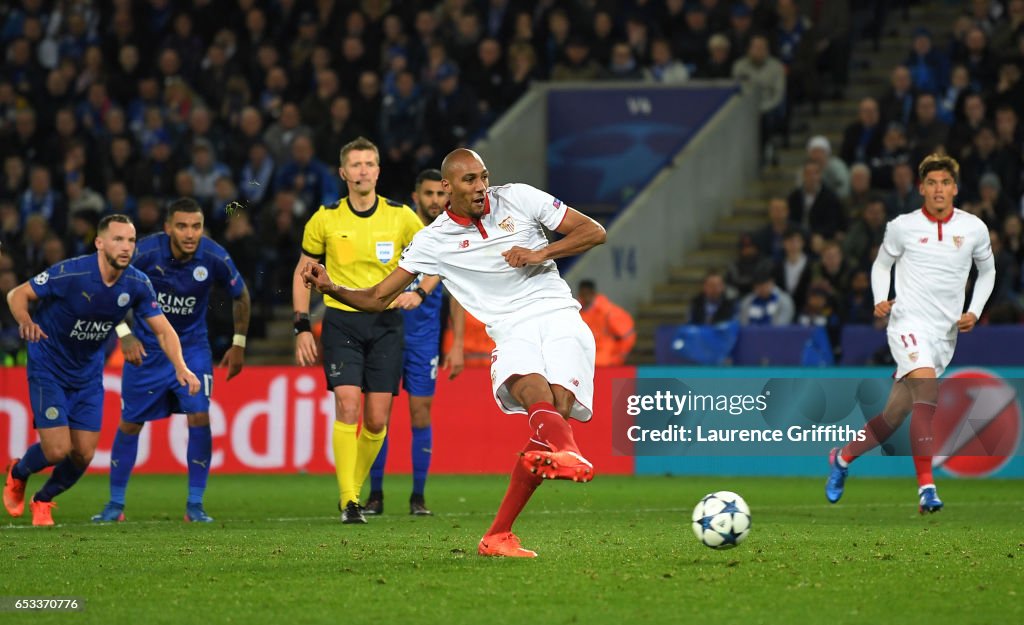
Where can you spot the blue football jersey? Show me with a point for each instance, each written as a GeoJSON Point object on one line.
{"type": "Point", "coordinates": [183, 288]}
{"type": "Point", "coordinates": [423, 323]}
{"type": "Point", "coordinates": [77, 312]}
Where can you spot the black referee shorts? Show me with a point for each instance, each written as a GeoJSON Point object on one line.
{"type": "Point", "coordinates": [363, 349]}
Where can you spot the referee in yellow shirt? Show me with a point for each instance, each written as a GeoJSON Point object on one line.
{"type": "Point", "coordinates": [360, 239]}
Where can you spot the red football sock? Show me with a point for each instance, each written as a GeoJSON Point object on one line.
{"type": "Point", "coordinates": [876, 431]}
{"type": "Point", "coordinates": [520, 488]}
{"type": "Point", "coordinates": [921, 441]}
{"type": "Point", "coordinates": [550, 428]}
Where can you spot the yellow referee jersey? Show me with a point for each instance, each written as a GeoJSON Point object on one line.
{"type": "Point", "coordinates": [359, 249]}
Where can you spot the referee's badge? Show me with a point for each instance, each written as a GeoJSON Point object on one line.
{"type": "Point", "coordinates": [385, 251]}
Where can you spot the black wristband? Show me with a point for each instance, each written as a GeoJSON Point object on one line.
{"type": "Point", "coordinates": [302, 325]}
{"type": "Point", "coordinates": [423, 294]}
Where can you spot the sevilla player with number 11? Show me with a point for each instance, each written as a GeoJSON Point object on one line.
{"type": "Point", "coordinates": [933, 250]}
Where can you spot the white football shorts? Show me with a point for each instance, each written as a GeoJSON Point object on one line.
{"type": "Point", "coordinates": [913, 351]}
{"type": "Point", "coordinates": [558, 345]}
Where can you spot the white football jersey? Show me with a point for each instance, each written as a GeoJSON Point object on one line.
{"type": "Point", "coordinates": [466, 254]}
{"type": "Point", "coordinates": [933, 261]}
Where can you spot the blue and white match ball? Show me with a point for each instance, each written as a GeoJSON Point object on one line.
{"type": "Point", "coordinates": [721, 520]}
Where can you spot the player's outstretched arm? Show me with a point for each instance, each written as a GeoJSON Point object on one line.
{"type": "Point", "coordinates": [377, 298]}
{"type": "Point", "coordinates": [881, 280]}
{"type": "Point", "coordinates": [455, 359]}
{"type": "Point", "coordinates": [410, 300]}
{"type": "Point", "coordinates": [581, 234]}
{"type": "Point", "coordinates": [18, 300]}
{"type": "Point", "coordinates": [305, 344]}
{"type": "Point", "coordinates": [171, 346]}
{"type": "Point", "coordinates": [234, 358]}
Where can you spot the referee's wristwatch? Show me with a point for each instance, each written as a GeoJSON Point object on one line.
{"type": "Point", "coordinates": [302, 323]}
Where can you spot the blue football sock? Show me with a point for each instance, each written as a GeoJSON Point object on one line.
{"type": "Point", "coordinates": [377, 470]}
{"type": "Point", "coordinates": [63, 477]}
{"type": "Point", "coordinates": [422, 443]}
{"type": "Point", "coordinates": [122, 461]}
{"type": "Point", "coordinates": [33, 461]}
{"type": "Point", "coordinates": [200, 451]}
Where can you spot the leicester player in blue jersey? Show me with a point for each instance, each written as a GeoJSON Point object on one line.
{"type": "Point", "coordinates": [421, 309]}
{"type": "Point", "coordinates": [80, 301]}
{"type": "Point", "coordinates": [183, 266]}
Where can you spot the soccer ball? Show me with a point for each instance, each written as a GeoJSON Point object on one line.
{"type": "Point", "coordinates": [721, 520]}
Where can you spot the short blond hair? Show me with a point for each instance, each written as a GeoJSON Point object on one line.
{"type": "Point", "coordinates": [938, 162]}
{"type": "Point", "coordinates": [359, 143]}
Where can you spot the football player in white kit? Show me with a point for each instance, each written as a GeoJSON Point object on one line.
{"type": "Point", "coordinates": [933, 249]}
{"type": "Point", "coordinates": [490, 250]}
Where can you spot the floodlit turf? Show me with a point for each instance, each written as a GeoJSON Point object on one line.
{"type": "Point", "coordinates": [618, 550]}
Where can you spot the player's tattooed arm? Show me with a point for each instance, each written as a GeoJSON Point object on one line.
{"type": "Point", "coordinates": [131, 346]}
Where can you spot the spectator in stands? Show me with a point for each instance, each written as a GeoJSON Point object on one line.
{"type": "Point", "coordinates": [831, 40]}
{"type": "Point", "coordinates": [316, 107]}
{"type": "Point", "coordinates": [819, 311]}
{"type": "Point", "coordinates": [280, 134]}
{"type": "Point", "coordinates": [929, 68]}
{"type": "Point", "coordinates": [162, 169]}
{"type": "Point", "coordinates": [35, 234]}
{"type": "Point", "coordinates": [692, 43]}
{"type": "Point", "coordinates": [577, 64]}
{"type": "Point", "coordinates": [895, 151]}
{"type": "Point", "coordinates": [42, 199]}
{"type": "Point", "coordinates": [602, 37]}
{"type": "Point", "coordinates": [759, 68]}
{"type": "Point", "coordinates": [612, 326]}
{"type": "Point", "coordinates": [865, 234]}
{"type": "Point", "coordinates": [860, 190]}
{"type": "Point", "coordinates": [10, 340]}
{"type": "Point", "coordinates": [148, 219]}
{"type": "Point", "coordinates": [1009, 135]}
{"type": "Point", "coordinates": [992, 206]}
{"type": "Point", "coordinates": [814, 207]}
{"type": "Point", "coordinates": [766, 304]}
{"type": "Point", "coordinates": [1007, 274]}
{"type": "Point", "coordinates": [859, 307]}
{"type": "Point", "coordinates": [963, 130]}
{"type": "Point", "coordinates": [451, 115]}
{"type": "Point", "coordinates": [1013, 236]}
{"type": "Point", "coordinates": [834, 173]}
{"type": "Point", "coordinates": [741, 28]}
{"type": "Point", "coordinates": [904, 198]}
{"type": "Point", "coordinates": [15, 178]}
{"type": "Point", "coordinates": [205, 170]}
{"type": "Point", "coordinates": [713, 304]}
{"type": "Point", "coordinates": [748, 263]}
{"type": "Point", "coordinates": [793, 272]}
{"type": "Point", "coordinates": [862, 139]}
{"type": "Point", "coordinates": [951, 100]}
{"type": "Point", "coordinates": [987, 157]}
{"type": "Point", "coordinates": [832, 270]}
{"type": "Point", "coordinates": [339, 130]}
{"type": "Point", "coordinates": [769, 239]}
{"type": "Point", "coordinates": [26, 141]}
{"type": "Point", "coordinates": [979, 60]}
{"type": "Point", "coordinates": [897, 105]}
{"type": "Point", "coordinates": [927, 132]}
{"type": "Point", "coordinates": [522, 70]}
{"type": "Point", "coordinates": [401, 133]}
{"type": "Point", "coordinates": [718, 62]}
{"type": "Point", "coordinates": [623, 65]}
{"type": "Point", "coordinates": [487, 78]}
{"type": "Point", "coordinates": [313, 182]}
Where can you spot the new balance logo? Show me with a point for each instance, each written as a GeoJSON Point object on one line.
{"type": "Point", "coordinates": [201, 463]}
{"type": "Point", "coordinates": [924, 239]}
{"type": "Point", "coordinates": [463, 244]}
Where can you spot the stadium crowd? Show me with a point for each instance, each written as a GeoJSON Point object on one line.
{"type": "Point", "coordinates": [122, 106]}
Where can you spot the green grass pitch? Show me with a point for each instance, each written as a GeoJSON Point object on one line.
{"type": "Point", "coordinates": [618, 550]}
